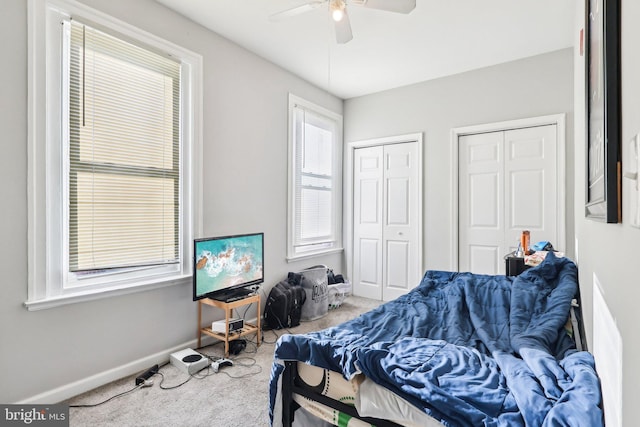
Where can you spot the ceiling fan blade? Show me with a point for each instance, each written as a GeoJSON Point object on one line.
{"type": "Point", "coordinates": [306, 7]}
{"type": "Point", "coordinates": [343, 29]}
{"type": "Point", "coordinates": [399, 6]}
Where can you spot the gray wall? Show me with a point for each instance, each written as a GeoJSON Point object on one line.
{"type": "Point", "coordinates": [531, 87]}
{"type": "Point", "coordinates": [245, 102]}
{"type": "Point", "coordinates": [610, 250]}
{"type": "Point", "coordinates": [245, 190]}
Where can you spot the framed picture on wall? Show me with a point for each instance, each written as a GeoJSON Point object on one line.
{"type": "Point", "coordinates": [603, 168]}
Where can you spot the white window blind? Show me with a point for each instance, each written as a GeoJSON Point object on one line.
{"type": "Point", "coordinates": [315, 201]}
{"type": "Point", "coordinates": [123, 153]}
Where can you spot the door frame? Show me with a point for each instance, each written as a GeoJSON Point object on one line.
{"type": "Point", "coordinates": [348, 226]}
{"type": "Point", "coordinates": [456, 133]}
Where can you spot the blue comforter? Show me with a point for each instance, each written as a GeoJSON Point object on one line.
{"type": "Point", "coordinates": [469, 349]}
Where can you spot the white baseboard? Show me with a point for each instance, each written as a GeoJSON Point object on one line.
{"type": "Point", "coordinates": [70, 390]}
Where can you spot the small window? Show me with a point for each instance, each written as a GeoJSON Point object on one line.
{"type": "Point", "coordinates": [315, 184]}
{"type": "Point", "coordinates": [116, 137]}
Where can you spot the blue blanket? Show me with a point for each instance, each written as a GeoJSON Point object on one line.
{"type": "Point", "coordinates": [469, 349]}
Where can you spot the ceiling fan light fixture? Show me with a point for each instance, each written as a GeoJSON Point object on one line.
{"type": "Point", "coordinates": [338, 11]}
{"type": "Point", "coordinates": [337, 8]}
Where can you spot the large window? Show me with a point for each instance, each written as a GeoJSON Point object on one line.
{"type": "Point", "coordinates": [124, 153]}
{"type": "Point", "coordinates": [315, 184]}
{"type": "Point", "coordinates": [111, 168]}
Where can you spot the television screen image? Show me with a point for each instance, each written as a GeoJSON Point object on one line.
{"type": "Point", "coordinates": [223, 264]}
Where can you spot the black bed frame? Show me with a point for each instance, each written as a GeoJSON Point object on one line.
{"type": "Point", "coordinates": [292, 384]}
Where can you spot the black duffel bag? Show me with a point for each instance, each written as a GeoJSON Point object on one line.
{"type": "Point", "coordinates": [284, 305]}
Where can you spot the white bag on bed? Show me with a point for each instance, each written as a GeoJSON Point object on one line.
{"type": "Point", "coordinates": [315, 284]}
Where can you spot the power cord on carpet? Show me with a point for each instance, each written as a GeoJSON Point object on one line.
{"type": "Point", "coordinates": [174, 386]}
{"type": "Point", "coordinates": [275, 333]}
{"type": "Point", "coordinates": [238, 361]}
{"type": "Point", "coordinates": [146, 383]}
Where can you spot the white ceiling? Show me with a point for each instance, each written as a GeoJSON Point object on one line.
{"type": "Point", "coordinates": [439, 38]}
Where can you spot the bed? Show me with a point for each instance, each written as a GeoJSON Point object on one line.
{"type": "Point", "coordinates": [460, 349]}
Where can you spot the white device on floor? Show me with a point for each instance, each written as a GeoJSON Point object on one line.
{"type": "Point", "coordinates": [189, 361]}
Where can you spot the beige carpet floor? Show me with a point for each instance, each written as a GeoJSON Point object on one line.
{"type": "Point", "coordinates": [236, 396]}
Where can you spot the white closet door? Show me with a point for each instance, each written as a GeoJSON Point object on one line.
{"type": "Point", "coordinates": [481, 202]}
{"type": "Point", "coordinates": [401, 231]}
{"type": "Point", "coordinates": [507, 183]}
{"type": "Point", "coordinates": [531, 185]}
{"type": "Point", "coordinates": [367, 214]}
{"type": "Point", "coordinates": [387, 256]}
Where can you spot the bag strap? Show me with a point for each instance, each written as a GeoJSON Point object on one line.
{"type": "Point", "coordinates": [315, 267]}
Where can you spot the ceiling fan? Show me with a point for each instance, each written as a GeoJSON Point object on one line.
{"type": "Point", "coordinates": [338, 10]}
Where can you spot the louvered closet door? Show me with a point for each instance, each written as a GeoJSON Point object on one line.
{"type": "Point", "coordinates": [507, 183]}
{"type": "Point", "coordinates": [386, 221]}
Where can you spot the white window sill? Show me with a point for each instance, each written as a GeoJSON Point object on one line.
{"type": "Point", "coordinates": [308, 255]}
{"type": "Point", "coordinates": [57, 301]}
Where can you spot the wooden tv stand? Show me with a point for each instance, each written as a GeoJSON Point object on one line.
{"type": "Point", "coordinates": [228, 308]}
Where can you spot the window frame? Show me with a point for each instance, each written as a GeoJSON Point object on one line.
{"type": "Point", "coordinates": [49, 284]}
{"type": "Point", "coordinates": [311, 250]}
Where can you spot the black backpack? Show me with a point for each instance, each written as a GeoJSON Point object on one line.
{"type": "Point", "coordinates": [284, 305]}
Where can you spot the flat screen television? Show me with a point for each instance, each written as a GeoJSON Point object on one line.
{"type": "Point", "coordinates": [225, 266]}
